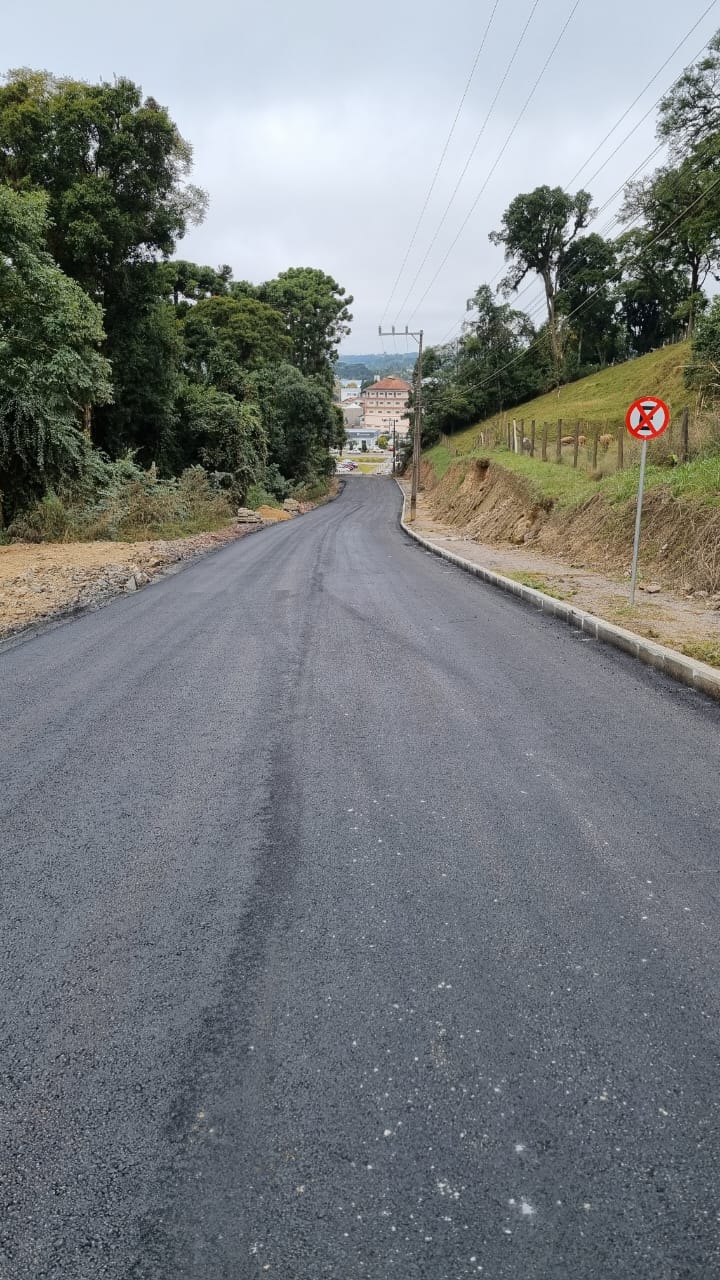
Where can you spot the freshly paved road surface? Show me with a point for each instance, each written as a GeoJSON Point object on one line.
{"type": "Point", "coordinates": [355, 921]}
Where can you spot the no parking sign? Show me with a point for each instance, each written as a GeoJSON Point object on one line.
{"type": "Point", "coordinates": [646, 419]}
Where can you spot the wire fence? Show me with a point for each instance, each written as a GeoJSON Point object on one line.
{"type": "Point", "coordinates": [599, 447]}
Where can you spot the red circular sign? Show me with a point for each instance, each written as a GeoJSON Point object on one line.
{"type": "Point", "coordinates": [646, 419]}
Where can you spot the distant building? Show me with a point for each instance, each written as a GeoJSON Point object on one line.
{"type": "Point", "coordinates": [385, 401]}
{"type": "Point", "coordinates": [354, 437]}
{"type": "Point", "coordinates": [352, 413]}
{"type": "Point", "coordinates": [349, 388]}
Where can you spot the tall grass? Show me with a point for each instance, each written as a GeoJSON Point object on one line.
{"type": "Point", "coordinates": [125, 503]}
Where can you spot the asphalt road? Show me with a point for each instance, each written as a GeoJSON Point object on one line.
{"type": "Point", "coordinates": [355, 921]}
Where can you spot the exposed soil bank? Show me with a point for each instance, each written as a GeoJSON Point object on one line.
{"type": "Point", "coordinates": [680, 539]}
{"type": "Point", "coordinates": [487, 515]}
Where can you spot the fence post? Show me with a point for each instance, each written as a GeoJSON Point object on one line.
{"type": "Point", "coordinates": [532, 438]}
{"type": "Point", "coordinates": [558, 442]}
{"type": "Point", "coordinates": [685, 436]}
{"type": "Point", "coordinates": [544, 441]}
{"type": "Point", "coordinates": [576, 443]}
{"type": "Point", "coordinates": [509, 437]}
{"type": "Point", "coordinates": [521, 436]}
{"type": "Point", "coordinates": [621, 442]}
{"type": "Point", "coordinates": [596, 440]}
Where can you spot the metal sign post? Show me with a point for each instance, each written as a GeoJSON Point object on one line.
{"type": "Point", "coordinates": [645, 420]}
{"type": "Point", "coordinates": [638, 517]}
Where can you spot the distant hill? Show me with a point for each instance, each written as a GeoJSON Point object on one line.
{"type": "Point", "coordinates": [367, 366]}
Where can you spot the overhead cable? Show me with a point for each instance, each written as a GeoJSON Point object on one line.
{"type": "Point", "coordinates": [441, 161]}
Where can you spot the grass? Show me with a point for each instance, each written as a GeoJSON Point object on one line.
{"type": "Point", "coordinates": [605, 396]}
{"type": "Point", "coordinates": [539, 582]}
{"type": "Point", "coordinates": [704, 650]}
{"type": "Point", "coordinates": [134, 509]}
{"type": "Point", "coordinates": [565, 487]}
{"type": "Point", "coordinates": [545, 481]}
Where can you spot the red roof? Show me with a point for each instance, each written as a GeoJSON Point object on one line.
{"type": "Point", "coordinates": [388, 384]}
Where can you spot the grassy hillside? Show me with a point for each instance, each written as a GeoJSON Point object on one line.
{"type": "Point", "coordinates": [696, 481]}
{"type": "Point", "coordinates": [605, 396]}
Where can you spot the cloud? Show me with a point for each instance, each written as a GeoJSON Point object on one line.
{"type": "Point", "coordinates": [317, 128]}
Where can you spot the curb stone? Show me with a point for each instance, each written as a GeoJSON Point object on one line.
{"type": "Point", "coordinates": [689, 671]}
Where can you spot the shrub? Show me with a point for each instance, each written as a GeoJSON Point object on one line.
{"type": "Point", "coordinates": [123, 502]}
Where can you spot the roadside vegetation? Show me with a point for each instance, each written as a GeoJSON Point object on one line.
{"type": "Point", "coordinates": [140, 394]}
{"type": "Point", "coordinates": [610, 319]}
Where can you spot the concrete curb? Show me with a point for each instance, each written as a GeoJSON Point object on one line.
{"type": "Point", "coordinates": [698, 675]}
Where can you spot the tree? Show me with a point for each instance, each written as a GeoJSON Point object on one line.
{"type": "Point", "coordinates": [704, 369]}
{"type": "Point", "coordinates": [681, 210]}
{"type": "Point", "coordinates": [537, 232]}
{"type": "Point", "coordinates": [115, 170]}
{"type": "Point", "coordinates": [315, 311]}
{"type": "Point", "coordinates": [189, 282]}
{"type": "Point", "coordinates": [223, 435]}
{"type": "Point", "coordinates": [587, 298]}
{"type": "Point", "coordinates": [650, 292]}
{"type": "Point", "coordinates": [690, 112]}
{"type": "Point", "coordinates": [490, 367]}
{"type": "Point", "coordinates": [50, 367]}
{"type": "Point", "coordinates": [114, 165]}
{"type": "Point", "coordinates": [301, 422]}
{"type": "Point", "coordinates": [226, 337]}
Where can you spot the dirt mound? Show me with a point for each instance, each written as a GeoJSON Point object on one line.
{"type": "Point", "coordinates": [271, 515]}
{"type": "Point", "coordinates": [490, 504]}
{"type": "Point", "coordinates": [681, 540]}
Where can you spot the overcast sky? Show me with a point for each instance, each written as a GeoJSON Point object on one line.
{"type": "Point", "coordinates": [317, 126]}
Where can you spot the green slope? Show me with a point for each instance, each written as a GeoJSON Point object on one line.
{"type": "Point", "coordinates": [605, 396]}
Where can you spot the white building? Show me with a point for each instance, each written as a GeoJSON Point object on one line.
{"type": "Point", "coordinates": [384, 402]}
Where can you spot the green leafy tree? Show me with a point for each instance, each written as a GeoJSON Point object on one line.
{"type": "Point", "coordinates": [189, 282]}
{"type": "Point", "coordinates": [316, 314]}
{"type": "Point", "coordinates": [224, 435]}
{"type": "Point", "coordinates": [51, 371]}
{"type": "Point", "coordinates": [587, 297]}
{"type": "Point", "coordinates": [703, 371]}
{"type": "Point", "coordinates": [680, 208]}
{"type": "Point", "coordinates": [490, 367]}
{"type": "Point", "coordinates": [115, 170]}
{"type": "Point", "coordinates": [689, 117]}
{"type": "Point", "coordinates": [537, 231]}
{"type": "Point", "coordinates": [225, 337]}
{"type": "Point", "coordinates": [302, 423]}
{"type": "Point", "coordinates": [650, 292]}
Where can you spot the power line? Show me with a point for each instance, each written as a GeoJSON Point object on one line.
{"type": "Point", "coordinates": [607, 228]}
{"type": "Point", "coordinates": [473, 149]}
{"type": "Point", "coordinates": [501, 152]}
{"type": "Point", "coordinates": [642, 93]}
{"type": "Point", "coordinates": [441, 161]}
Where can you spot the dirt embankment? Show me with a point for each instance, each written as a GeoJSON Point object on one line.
{"type": "Point", "coordinates": [681, 540]}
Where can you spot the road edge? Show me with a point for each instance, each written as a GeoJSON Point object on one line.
{"type": "Point", "coordinates": [689, 671]}
{"type": "Point", "coordinates": [68, 613]}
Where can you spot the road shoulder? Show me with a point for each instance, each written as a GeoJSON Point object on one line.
{"type": "Point", "coordinates": [495, 565]}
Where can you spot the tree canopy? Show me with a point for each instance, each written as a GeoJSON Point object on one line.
{"type": "Point", "coordinates": [109, 342]}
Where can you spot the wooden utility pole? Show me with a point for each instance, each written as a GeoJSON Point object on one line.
{"type": "Point", "coordinates": [417, 430]}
